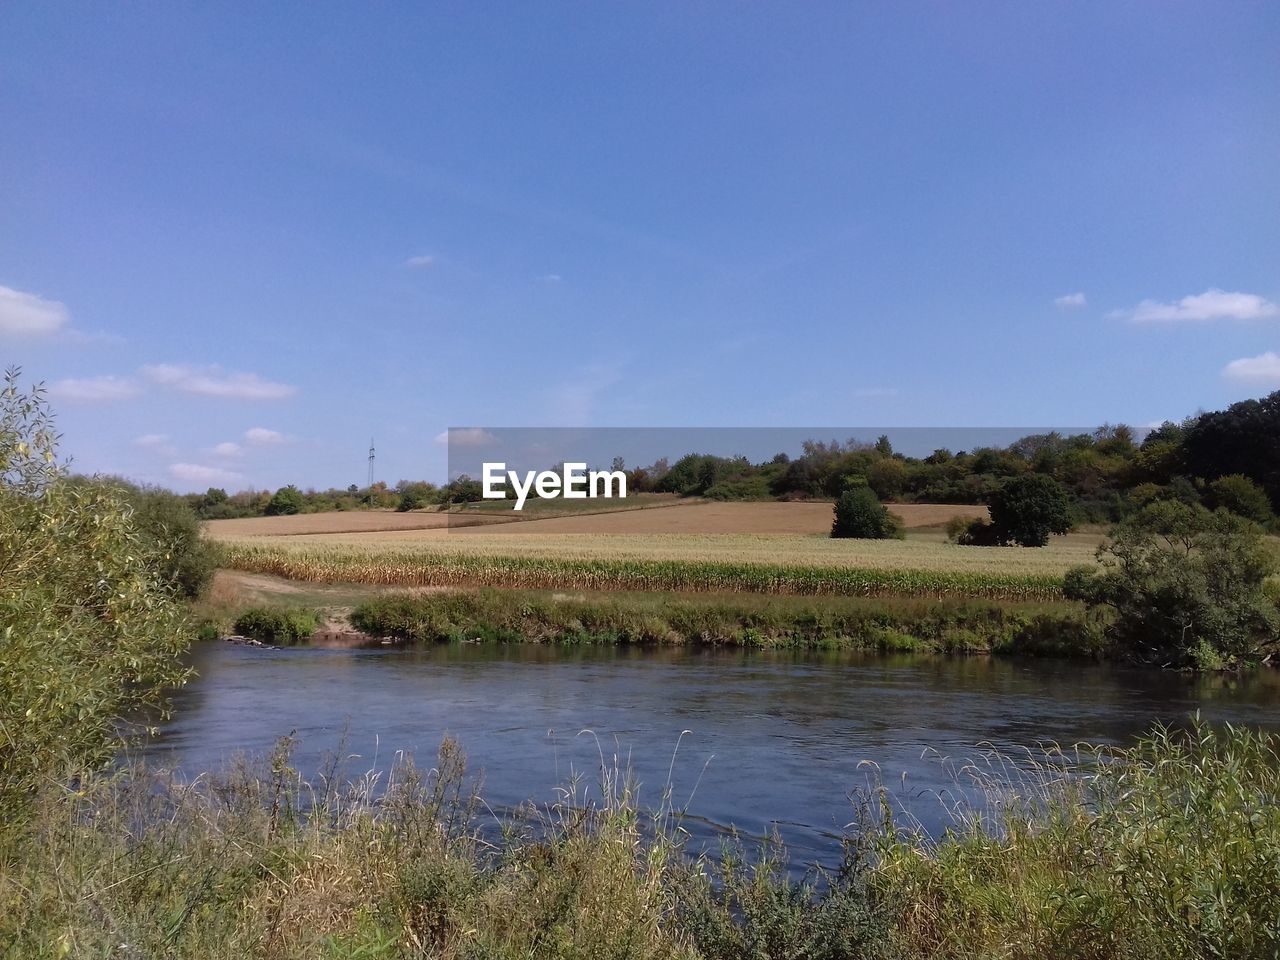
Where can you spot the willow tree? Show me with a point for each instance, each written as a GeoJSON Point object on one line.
{"type": "Point", "coordinates": [90, 634]}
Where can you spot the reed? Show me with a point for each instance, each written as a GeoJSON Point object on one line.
{"type": "Point", "coordinates": [1167, 849]}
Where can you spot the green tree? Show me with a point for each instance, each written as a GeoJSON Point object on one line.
{"type": "Point", "coordinates": [1244, 439]}
{"type": "Point", "coordinates": [888, 478]}
{"type": "Point", "coordinates": [1185, 587]}
{"type": "Point", "coordinates": [1028, 509]}
{"type": "Point", "coordinates": [1242, 497]}
{"type": "Point", "coordinates": [860, 514]}
{"type": "Point", "coordinates": [186, 559]}
{"type": "Point", "coordinates": [416, 494]}
{"type": "Point", "coordinates": [287, 500]}
{"type": "Point", "coordinates": [89, 630]}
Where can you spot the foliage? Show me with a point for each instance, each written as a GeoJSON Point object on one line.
{"type": "Point", "coordinates": [1101, 473]}
{"type": "Point", "coordinates": [285, 502]}
{"type": "Point", "coordinates": [887, 477]}
{"type": "Point", "coordinates": [745, 620]}
{"type": "Point", "coordinates": [281, 628]}
{"type": "Point", "coordinates": [1243, 439]}
{"type": "Point", "coordinates": [416, 495]}
{"type": "Point", "coordinates": [1169, 849]}
{"type": "Point", "coordinates": [1166, 850]}
{"type": "Point", "coordinates": [88, 631]}
{"type": "Point", "coordinates": [1184, 587]}
{"type": "Point", "coordinates": [975, 532]}
{"type": "Point", "coordinates": [859, 514]}
{"type": "Point", "coordinates": [1242, 497]}
{"type": "Point", "coordinates": [1026, 510]}
{"type": "Point", "coordinates": [750, 908]}
{"type": "Point", "coordinates": [186, 558]}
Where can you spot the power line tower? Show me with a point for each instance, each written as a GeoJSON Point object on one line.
{"type": "Point", "coordinates": [369, 485]}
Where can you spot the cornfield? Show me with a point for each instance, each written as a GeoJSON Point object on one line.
{"type": "Point", "coordinates": [540, 572]}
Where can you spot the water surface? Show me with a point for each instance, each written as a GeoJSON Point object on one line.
{"type": "Point", "coordinates": [775, 739]}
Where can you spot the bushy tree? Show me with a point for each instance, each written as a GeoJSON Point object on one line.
{"type": "Point", "coordinates": [887, 477]}
{"type": "Point", "coordinates": [1028, 509]}
{"type": "Point", "coordinates": [186, 559]}
{"type": "Point", "coordinates": [285, 501]}
{"type": "Point", "coordinates": [1243, 439]}
{"type": "Point", "coordinates": [1241, 496]}
{"type": "Point", "coordinates": [89, 629]}
{"type": "Point", "coordinates": [414, 495]}
{"type": "Point", "coordinates": [860, 514]}
{"type": "Point", "coordinates": [1185, 587]}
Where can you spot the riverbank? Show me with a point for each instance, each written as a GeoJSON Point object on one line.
{"type": "Point", "coordinates": [647, 619]}
{"type": "Point", "coordinates": [1167, 849]}
{"type": "Point", "coordinates": [356, 615]}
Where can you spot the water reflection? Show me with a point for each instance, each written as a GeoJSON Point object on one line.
{"type": "Point", "coordinates": [781, 735]}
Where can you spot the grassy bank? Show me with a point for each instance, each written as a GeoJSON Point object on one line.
{"type": "Point", "coordinates": [730, 620]}
{"type": "Point", "coordinates": [440, 568]}
{"type": "Point", "coordinates": [1170, 849]}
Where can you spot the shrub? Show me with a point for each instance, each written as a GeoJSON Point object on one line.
{"type": "Point", "coordinates": [283, 628]}
{"type": "Point", "coordinates": [975, 532]}
{"type": "Point", "coordinates": [860, 514]}
{"type": "Point", "coordinates": [89, 632]}
{"type": "Point", "coordinates": [1027, 509]}
{"type": "Point", "coordinates": [286, 501]}
{"type": "Point", "coordinates": [185, 558]}
{"type": "Point", "coordinates": [415, 495]}
{"type": "Point", "coordinates": [1185, 587]}
{"type": "Point", "coordinates": [1241, 496]}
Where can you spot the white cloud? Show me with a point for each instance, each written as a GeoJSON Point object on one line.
{"type": "Point", "coordinates": [94, 389]}
{"type": "Point", "coordinates": [551, 278]}
{"type": "Point", "coordinates": [228, 449]}
{"type": "Point", "coordinates": [1211, 305]}
{"type": "Point", "coordinates": [422, 260]}
{"type": "Point", "coordinates": [466, 437]}
{"type": "Point", "coordinates": [1072, 301]}
{"type": "Point", "coordinates": [214, 382]}
{"type": "Point", "coordinates": [262, 437]}
{"type": "Point", "coordinates": [151, 440]}
{"type": "Point", "coordinates": [1264, 368]}
{"type": "Point", "coordinates": [29, 314]}
{"type": "Point", "coordinates": [196, 473]}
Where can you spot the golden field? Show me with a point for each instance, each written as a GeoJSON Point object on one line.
{"type": "Point", "coordinates": [755, 547]}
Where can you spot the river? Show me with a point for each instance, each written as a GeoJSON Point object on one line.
{"type": "Point", "coordinates": [774, 739]}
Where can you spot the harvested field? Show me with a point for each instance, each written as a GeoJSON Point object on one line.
{"type": "Point", "coordinates": [490, 513]}
{"type": "Point", "coordinates": [701, 519]}
{"type": "Point", "coordinates": [339, 521]}
{"type": "Point", "coordinates": [652, 516]}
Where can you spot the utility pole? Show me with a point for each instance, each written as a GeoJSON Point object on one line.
{"type": "Point", "coordinates": [369, 486]}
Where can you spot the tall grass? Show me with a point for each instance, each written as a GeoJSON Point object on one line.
{"type": "Point", "coordinates": [730, 620]}
{"type": "Point", "coordinates": [1169, 849]}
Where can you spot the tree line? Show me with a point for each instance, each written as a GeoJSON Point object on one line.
{"type": "Point", "coordinates": [1226, 459]}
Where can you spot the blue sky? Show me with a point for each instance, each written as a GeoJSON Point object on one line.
{"type": "Point", "coordinates": [238, 240]}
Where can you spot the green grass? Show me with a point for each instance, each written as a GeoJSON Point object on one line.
{"type": "Point", "coordinates": [1164, 851]}
{"type": "Point", "coordinates": [731, 620]}
{"type": "Point", "coordinates": [281, 628]}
